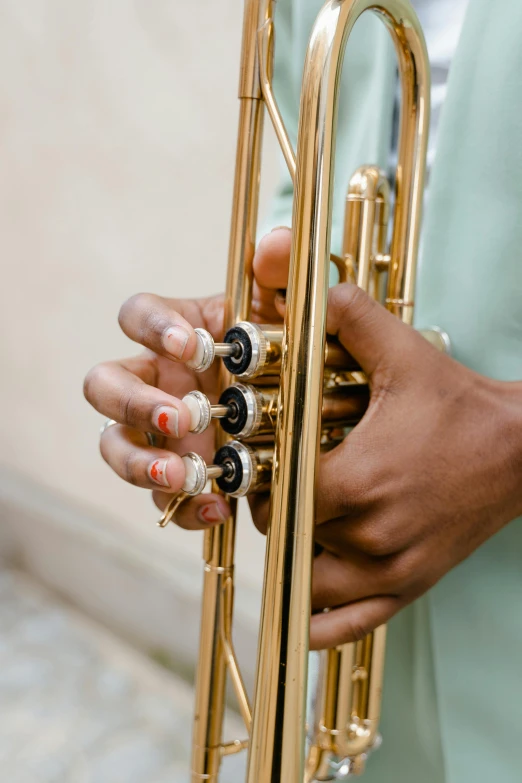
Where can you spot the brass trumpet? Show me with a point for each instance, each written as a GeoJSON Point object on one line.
{"type": "Point", "coordinates": [290, 392]}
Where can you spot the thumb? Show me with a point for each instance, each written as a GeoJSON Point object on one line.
{"type": "Point", "coordinates": [372, 335]}
{"type": "Point", "coordinates": [272, 259]}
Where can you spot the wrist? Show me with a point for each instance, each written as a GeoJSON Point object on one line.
{"type": "Point", "coordinates": [508, 396]}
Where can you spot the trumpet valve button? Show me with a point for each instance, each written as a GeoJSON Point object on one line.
{"type": "Point", "coordinates": [195, 474]}
{"type": "Point", "coordinates": [205, 351]}
{"type": "Point", "coordinates": [200, 411]}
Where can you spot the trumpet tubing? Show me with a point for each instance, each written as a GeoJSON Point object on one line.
{"type": "Point", "coordinates": [286, 392]}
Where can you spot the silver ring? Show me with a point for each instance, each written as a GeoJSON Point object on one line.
{"type": "Point", "coordinates": [106, 424]}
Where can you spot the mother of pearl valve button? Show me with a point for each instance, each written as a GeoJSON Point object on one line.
{"type": "Point", "coordinates": [195, 474]}
{"type": "Point", "coordinates": [207, 350]}
{"type": "Point", "coordinates": [204, 353]}
{"type": "Point", "coordinates": [199, 409]}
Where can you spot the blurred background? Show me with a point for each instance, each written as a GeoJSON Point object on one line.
{"type": "Point", "coordinates": [118, 128]}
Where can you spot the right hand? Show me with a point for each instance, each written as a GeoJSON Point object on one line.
{"type": "Point", "coordinates": [144, 393]}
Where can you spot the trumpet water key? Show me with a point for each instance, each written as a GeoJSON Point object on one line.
{"type": "Point", "coordinates": [290, 391]}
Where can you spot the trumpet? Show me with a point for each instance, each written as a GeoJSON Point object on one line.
{"type": "Point", "coordinates": [286, 392]}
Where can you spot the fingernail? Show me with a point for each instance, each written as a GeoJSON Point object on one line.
{"type": "Point", "coordinates": [166, 420]}
{"type": "Point", "coordinates": [158, 472]}
{"type": "Point", "coordinates": [278, 228]}
{"type": "Point", "coordinates": [175, 341]}
{"type": "Point", "coordinates": [211, 513]}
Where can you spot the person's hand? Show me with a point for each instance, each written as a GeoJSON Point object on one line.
{"type": "Point", "coordinates": [143, 393]}
{"type": "Point", "coordinates": [430, 473]}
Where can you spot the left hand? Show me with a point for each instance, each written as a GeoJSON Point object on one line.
{"type": "Point", "coordinates": [428, 475]}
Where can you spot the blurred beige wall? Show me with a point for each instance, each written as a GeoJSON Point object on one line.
{"type": "Point", "coordinates": [117, 149]}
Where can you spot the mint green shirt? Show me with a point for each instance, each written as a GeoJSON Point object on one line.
{"type": "Point", "coordinates": [452, 706]}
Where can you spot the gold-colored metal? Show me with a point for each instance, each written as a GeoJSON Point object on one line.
{"type": "Point", "coordinates": [347, 722]}
{"type": "Point", "coordinates": [277, 745]}
{"type": "Point", "coordinates": [207, 749]}
{"type": "Point", "coordinates": [172, 506]}
{"type": "Point", "coordinates": [227, 596]}
{"type": "Point", "coordinates": [348, 706]}
{"type": "Point", "coordinates": [352, 675]}
{"type": "Point", "coordinates": [268, 340]}
{"type": "Point", "coordinates": [344, 404]}
{"type": "Point", "coordinates": [366, 229]}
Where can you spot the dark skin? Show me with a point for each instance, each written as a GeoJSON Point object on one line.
{"type": "Point", "coordinates": [429, 474]}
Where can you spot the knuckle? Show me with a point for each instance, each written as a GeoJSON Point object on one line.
{"type": "Point", "coordinates": [129, 408]}
{"type": "Point", "coordinates": [131, 468]}
{"type": "Point", "coordinates": [351, 302]}
{"type": "Point", "coordinates": [395, 573]}
{"type": "Point", "coordinates": [139, 315]}
{"type": "Point", "coordinates": [134, 304]}
{"type": "Point", "coordinates": [346, 501]}
{"type": "Point", "coordinates": [353, 496]}
{"type": "Point", "coordinates": [416, 573]}
{"type": "Point", "coordinates": [356, 631]}
{"type": "Point", "coordinates": [385, 385]}
{"type": "Point", "coordinates": [376, 541]}
{"type": "Point", "coordinates": [348, 493]}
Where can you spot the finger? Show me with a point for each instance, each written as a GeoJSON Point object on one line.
{"type": "Point", "coordinates": [272, 259]}
{"type": "Point", "coordinates": [352, 622]}
{"type": "Point", "coordinates": [343, 493]}
{"type": "Point", "coordinates": [339, 581]}
{"type": "Point", "coordinates": [125, 450]}
{"type": "Point", "coordinates": [116, 390]}
{"type": "Point", "coordinates": [266, 305]}
{"type": "Point", "coordinates": [163, 325]}
{"type": "Point", "coordinates": [197, 513]}
{"type": "Point", "coordinates": [280, 303]}
{"type": "Point", "coordinates": [371, 334]}
{"type": "Point", "coordinates": [259, 506]}
{"type": "Point", "coordinates": [344, 496]}
{"type": "Point", "coordinates": [344, 488]}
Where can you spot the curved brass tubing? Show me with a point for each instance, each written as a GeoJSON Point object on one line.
{"type": "Point", "coordinates": [277, 744]}
{"type": "Point", "coordinates": [347, 721]}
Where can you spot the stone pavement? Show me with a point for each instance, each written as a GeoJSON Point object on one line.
{"type": "Point", "coordinates": [78, 706]}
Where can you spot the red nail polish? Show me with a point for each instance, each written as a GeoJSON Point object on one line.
{"type": "Point", "coordinates": [158, 472]}
{"type": "Point", "coordinates": [166, 420]}
{"type": "Point", "coordinates": [211, 513]}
